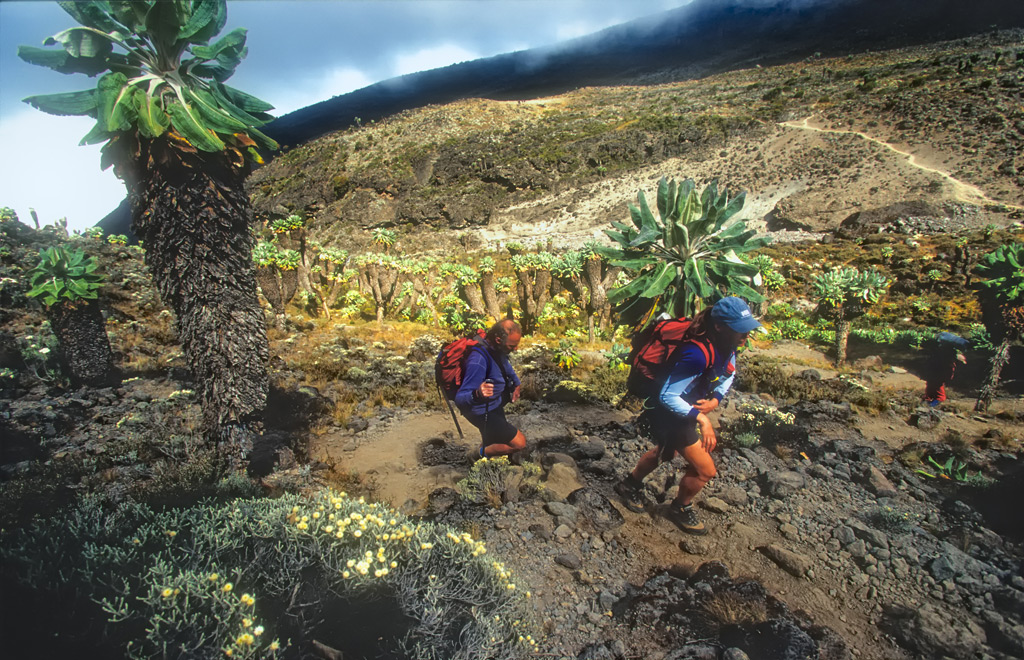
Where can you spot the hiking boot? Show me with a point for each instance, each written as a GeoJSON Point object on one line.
{"type": "Point", "coordinates": [474, 455]}
{"type": "Point", "coordinates": [685, 518]}
{"type": "Point", "coordinates": [632, 495]}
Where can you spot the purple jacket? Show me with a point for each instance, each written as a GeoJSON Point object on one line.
{"type": "Point", "coordinates": [481, 364]}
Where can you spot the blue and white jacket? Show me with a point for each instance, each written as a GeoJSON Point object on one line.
{"type": "Point", "coordinates": [697, 375]}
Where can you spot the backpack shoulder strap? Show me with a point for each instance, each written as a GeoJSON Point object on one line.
{"type": "Point", "coordinates": [484, 349]}
{"type": "Point", "coordinates": [707, 348]}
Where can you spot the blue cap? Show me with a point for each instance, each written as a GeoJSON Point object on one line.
{"type": "Point", "coordinates": [955, 340]}
{"type": "Point", "coordinates": [733, 312]}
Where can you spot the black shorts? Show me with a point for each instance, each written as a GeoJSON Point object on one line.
{"type": "Point", "coordinates": [669, 431]}
{"type": "Point", "coordinates": [494, 428]}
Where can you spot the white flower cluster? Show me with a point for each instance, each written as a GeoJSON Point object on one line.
{"type": "Point", "coordinates": [759, 416]}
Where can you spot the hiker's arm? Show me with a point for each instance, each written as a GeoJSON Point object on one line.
{"type": "Point", "coordinates": [708, 440]}
{"type": "Point", "coordinates": [472, 379]}
{"type": "Point", "coordinates": [690, 367]}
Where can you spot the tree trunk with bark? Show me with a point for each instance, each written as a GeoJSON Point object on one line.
{"type": "Point", "coordinates": [490, 295]}
{"type": "Point", "coordinates": [471, 294]}
{"type": "Point", "coordinates": [534, 289]}
{"type": "Point", "coordinates": [999, 360]}
{"type": "Point", "coordinates": [270, 284]}
{"type": "Point", "coordinates": [599, 277]}
{"type": "Point", "coordinates": [842, 336]}
{"type": "Point", "coordinates": [83, 345]}
{"type": "Point", "coordinates": [191, 210]}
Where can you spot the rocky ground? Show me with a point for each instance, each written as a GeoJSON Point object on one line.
{"type": "Point", "coordinates": [822, 542]}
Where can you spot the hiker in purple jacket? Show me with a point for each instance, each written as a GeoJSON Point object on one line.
{"type": "Point", "coordinates": [488, 384]}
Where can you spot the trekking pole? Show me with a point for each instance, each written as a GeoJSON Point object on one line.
{"type": "Point", "coordinates": [455, 419]}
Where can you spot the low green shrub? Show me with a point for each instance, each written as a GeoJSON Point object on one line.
{"type": "Point", "coordinates": [495, 481]}
{"type": "Point", "coordinates": [239, 578]}
{"type": "Point", "coordinates": [746, 439]}
{"type": "Point", "coordinates": [891, 521]}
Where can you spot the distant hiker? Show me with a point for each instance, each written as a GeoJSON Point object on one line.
{"type": "Point", "coordinates": [489, 382]}
{"type": "Point", "coordinates": [700, 377]}
{"type": "Point", "coordinates": [942, 354]}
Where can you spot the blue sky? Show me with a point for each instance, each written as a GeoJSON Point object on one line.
{"type": "Point", "coordinates": [300, 52]}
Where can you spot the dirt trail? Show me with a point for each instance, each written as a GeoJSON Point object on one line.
{"type": "Point", "coordinates": [964, 192]}
{"type": "Point", "coordinates": [389, 455]}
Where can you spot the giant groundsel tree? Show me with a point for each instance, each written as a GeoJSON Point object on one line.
{"type": "Point", "coordinates": [686, 258]}
{"type": "Point", "coordinates": [1001, 294]}
{"type": "Point", "coordinates": [845, 294]}
{"type": "Point", "coordinates": [182, 141]}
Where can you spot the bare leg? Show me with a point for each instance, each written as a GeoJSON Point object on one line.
{"type": "Point", "coordinates": [699, 472]}
{"type": "Point", "coordinates": [515, 444]}
{"type": "Point", "coordinates": [647, 463]}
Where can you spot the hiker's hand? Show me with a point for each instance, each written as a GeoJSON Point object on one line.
{"type": "Point", "coordinates": [708, 441]}
{"type": "Point", "coordinates": [706, 405]}
{"type": "Point", "coordinates": [515, 394]}
{"type": "Point", "coordinates": [486, 390]}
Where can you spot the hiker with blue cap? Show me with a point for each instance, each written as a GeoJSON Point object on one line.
{"type": "Point", "coordinates": [703, 371]}
{"type": "Point", "coordinates": [943, 352]}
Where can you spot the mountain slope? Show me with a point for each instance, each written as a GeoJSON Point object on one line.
{"type": "Point", "coordinates": [813, 143]}
{"type": "Point", "coordinates": [699, 39]}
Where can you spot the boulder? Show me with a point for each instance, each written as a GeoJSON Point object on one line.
{"type": "Point", "coordinates": [562, 480]}
{"type": "Point", "coordinates": [782, 484]}
{"type": "Point", "coordinates": [596, 508]}
{"type": "Point", "coordinates": [791, 562]}
{"type": "Point", "coordinates": [934, 634]}
{"type": "Point", "coordinates": [876, 482]}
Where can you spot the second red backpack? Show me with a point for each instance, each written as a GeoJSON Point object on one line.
{"type": "Point", "coordinates": [450, 365]}
{"type": "Point", "coordinates": [655, 350]}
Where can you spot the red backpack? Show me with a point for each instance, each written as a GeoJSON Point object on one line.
{"type": "Point", "coordinates": [655, 351]}
{"type": "Point", "coordinates": [450, 365]}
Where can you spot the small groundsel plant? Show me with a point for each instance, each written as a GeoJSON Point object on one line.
{"type": "Point", "coordinates": [64, 275]}
{"type": "Point", "coordinates": [617, 357]}
{"type": "Point", "coordinates": [566, 356]}
{"type": "Point", "coordinates": [495, 481]}
{"type": "Point", "coordinates": [219, 576]}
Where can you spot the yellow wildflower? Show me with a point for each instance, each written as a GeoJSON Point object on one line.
{"type": "Point", "coordinates": [245, 640]}
{"type": "Point", "coordinates": [171, 533]}
{"type": "Point", "coordinates": [274, 645]}
{"type": "Point", "coordinates": [228, 587]}
{"type": "Point", "coordinates": [213, 577]}
{"type": "Point", "coordinates": [246, 623]}
{"type": "Point", "coordinates": [248, 600]}
{"type": "Point", "coordinates": [167, 593]}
